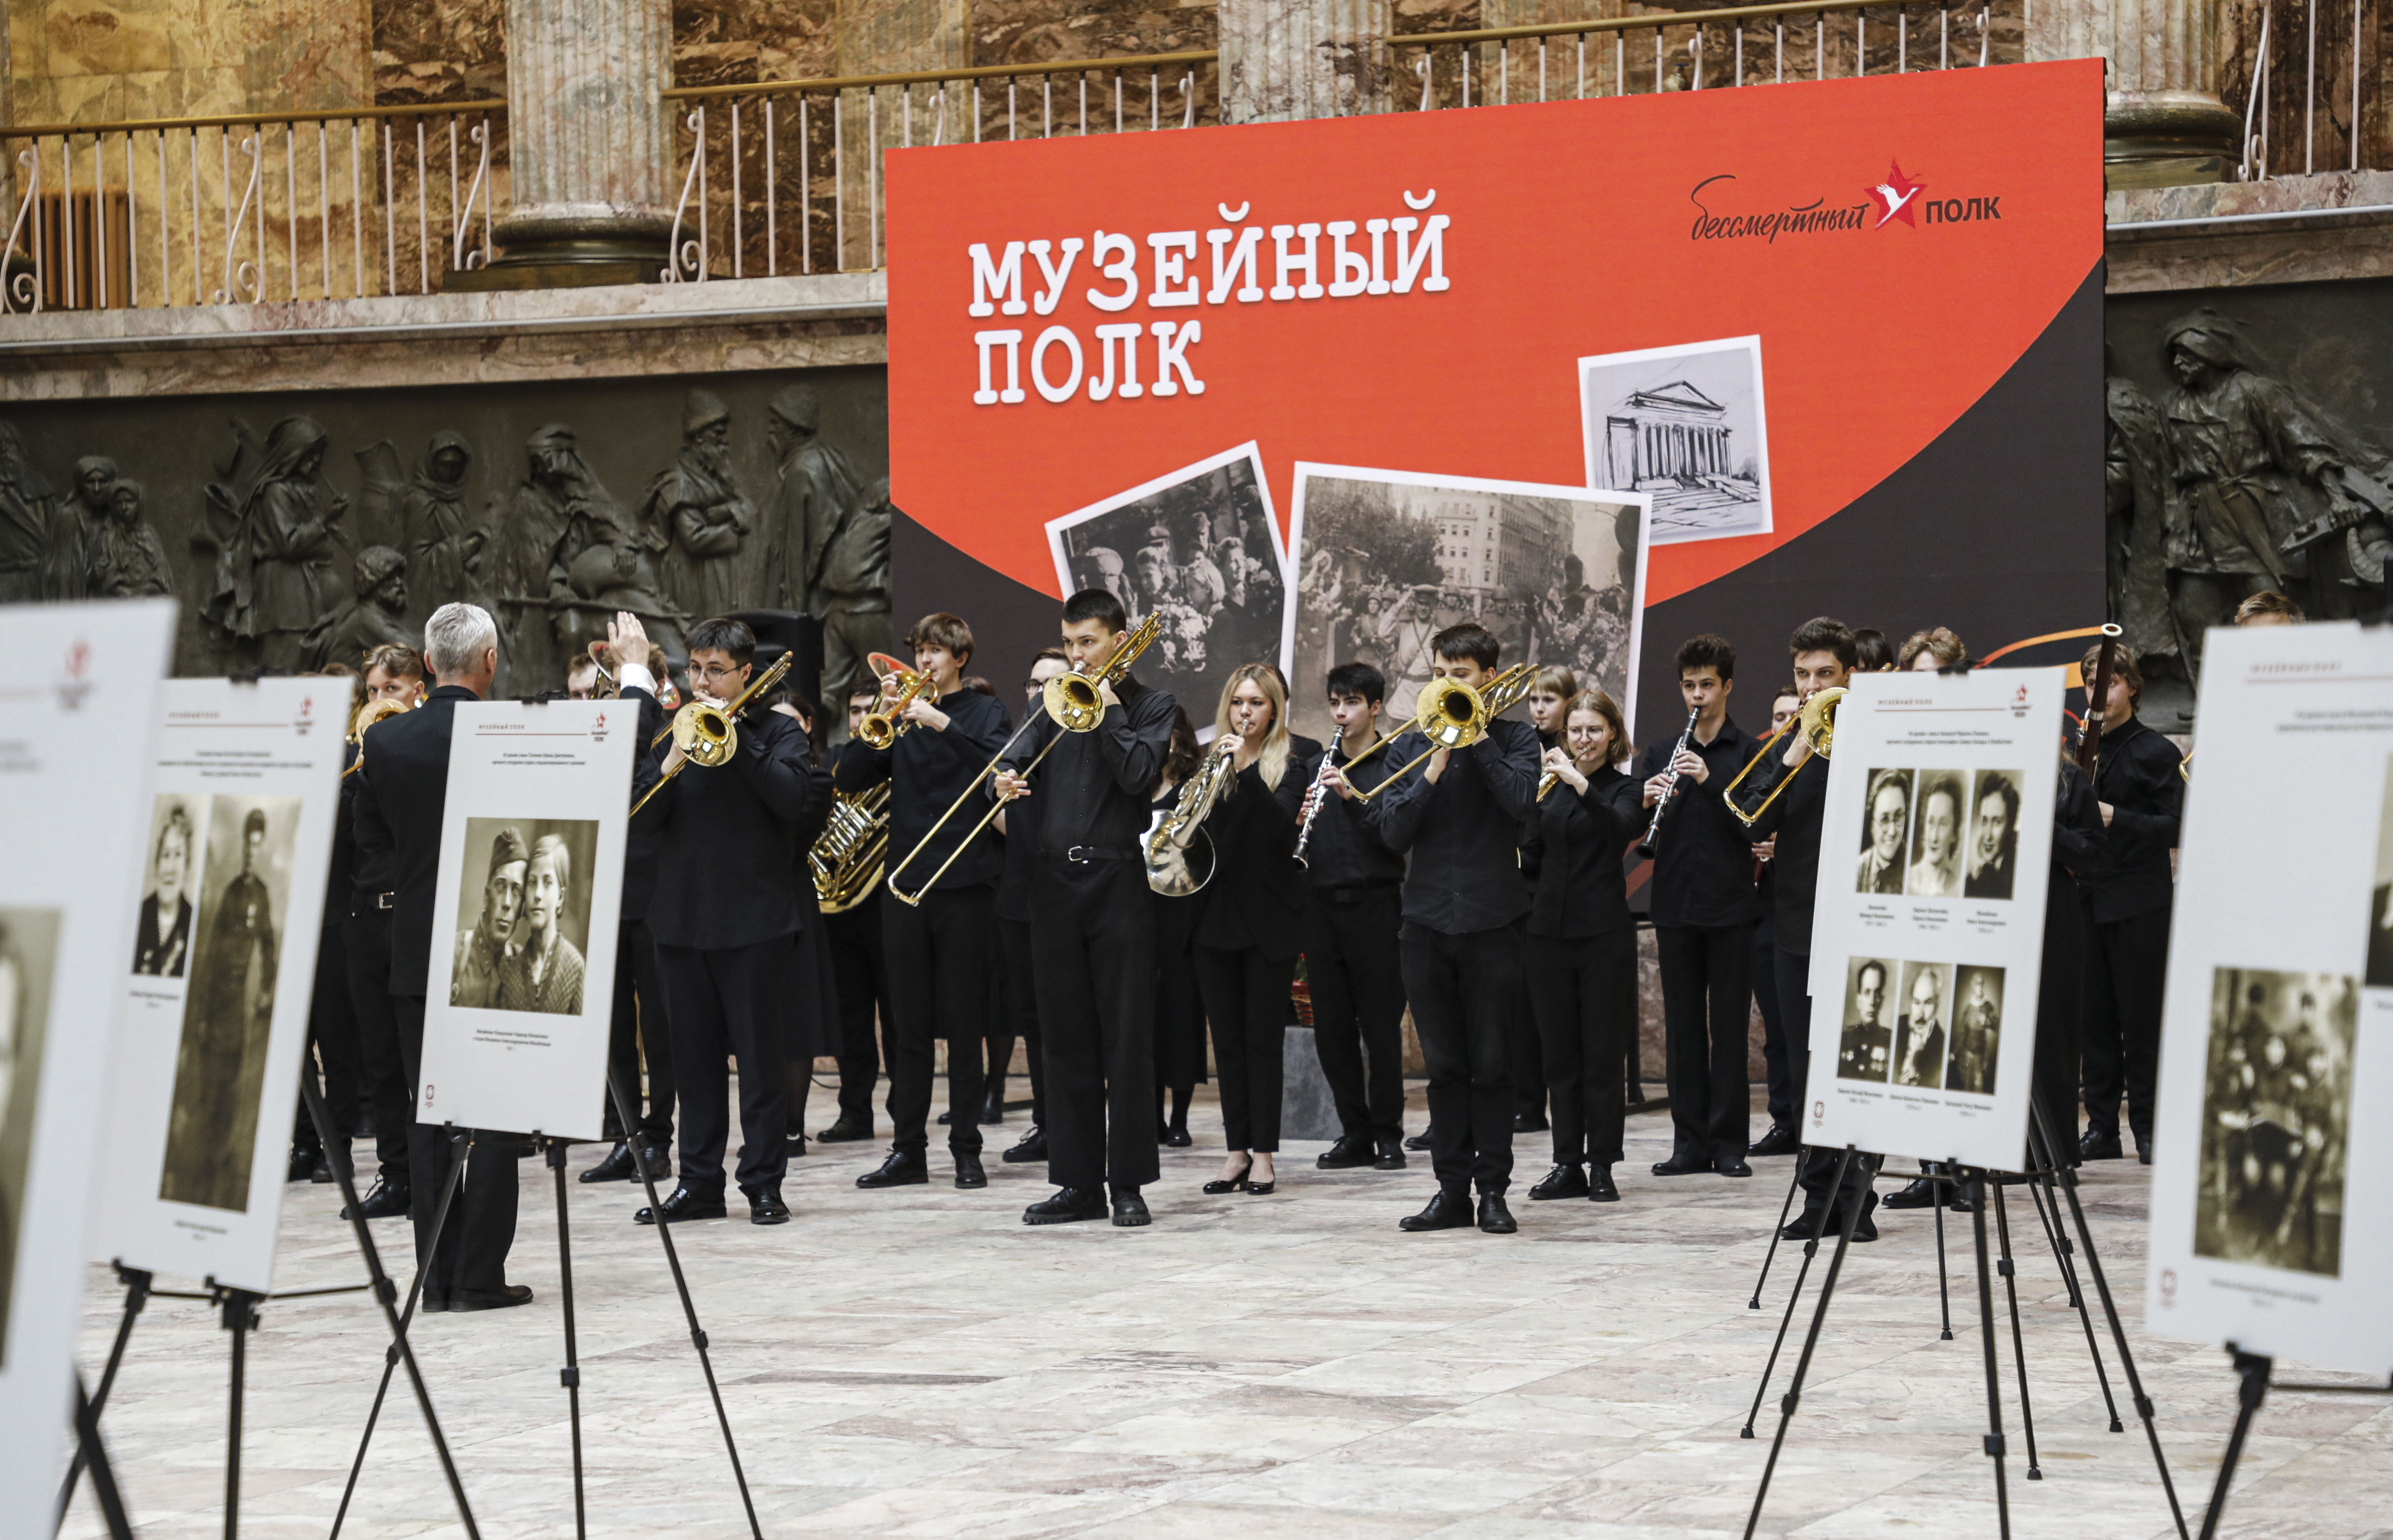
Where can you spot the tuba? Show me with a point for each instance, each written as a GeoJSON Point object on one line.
{"type": "Point", "coordinates": [1816, 722]}
{"type": "Point", "coordinates": [847, 856]}
{"type": "Point", "coordinates": [1168, 870]}
{"type": "Point", "coordinates": [1452, 714]}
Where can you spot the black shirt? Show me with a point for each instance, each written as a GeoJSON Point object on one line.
{"type": "Point", "coordinates": [1463, 833]}
{"type": "Point", "coordinates": [927, 772]}
{"type": "Point", "coordinates": [1795, 818]}
{"type": "Point", "coordinates": [1258, 893]}
{"type": "Point", "coordinates": [727, 853]}
{"type": "Point", "coordinates": [640, 841]}
{"type": "Point", "coordinates": [1021, 858]}
{"type": "Point", "coordinates": [1096, 783]}
{"type": "Point", "coordinates": [1574, 852]}
{"type": "Point", "coordinates": [1346, 850]}
{"type": "Point", "coordinates": [402, 793]}
{"type": "Point", "coordinates": [1703, 868]}
{"type": "Point", "coordinates": [2136, 772]}
{"type": "Point", "coordinates": [342, 879]}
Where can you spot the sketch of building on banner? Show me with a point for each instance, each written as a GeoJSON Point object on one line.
{"type": "Point", "coordinates": [1685, 424]}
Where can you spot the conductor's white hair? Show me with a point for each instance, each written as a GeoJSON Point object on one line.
{"type": "Point", "coordinates": [456, 636]}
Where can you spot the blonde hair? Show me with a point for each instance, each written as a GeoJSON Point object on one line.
{"type": "Point", "coordinates": [1271, 763]}
{"type": "Point", "coordinates": [1618, 748]}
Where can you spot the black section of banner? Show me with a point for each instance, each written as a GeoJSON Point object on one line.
{"type": "Point", "coordinates": [1011, 621]}
{"type": "Point", "coordinates": [1993, 528]}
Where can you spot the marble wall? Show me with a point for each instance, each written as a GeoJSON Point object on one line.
{"type": "Point", "coordinates": [99, 59]}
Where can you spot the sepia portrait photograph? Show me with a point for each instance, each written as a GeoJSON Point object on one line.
{"type": "Point", "coordinates": [1685, 424]}
{"type": "Point", "coordinates": [523, 915]}
{"type": "Point", "coordinates": [1866, 1046]}
{"type": "Point", "coordinates": [1886, 823]}
{"type": "Point", "coordinates": [1991, 867]}
{"type": "Point", "coordinates": [28, 949]}
{"type": "Point", "coordinates": [1920, 1027]}
{"type": "Point", "coordinates": [1935, 869]}
{"type": "Point", "coordinates": [1977, 1023]}
{"type": "Point", "coordinates": [244, 883]}
{"type": "Point", "coordinates": [2276, 1119]}
{"type": "Point", "coordinates": [2380, 902]}
{"type": "Point", "coordinates": [163, 945]}
{"type": "Point", "coordinates": [1200, 549]}
{"type": "Point", "coordinates": [1387, 559]}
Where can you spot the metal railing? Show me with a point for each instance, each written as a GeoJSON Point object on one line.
{"type": "Point", "coordinates": [784, 176]}
{"type": "Point", "coordinates": [2310, 82]}
{"type": "Point", "coordinates": [241, 210]}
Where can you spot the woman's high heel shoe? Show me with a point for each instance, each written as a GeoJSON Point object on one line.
{"type": "Point", "coordinates": [1260, 1189]}
{"type": "Point", "coordinates": [1237, 1185]}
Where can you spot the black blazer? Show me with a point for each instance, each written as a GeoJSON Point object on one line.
{"type": "Point", "coordinates": [2136, 772]}
{"type": "Point", "coordinates": [396, 818]}
{"type": "Point", "coordinates": [1257, 895]}
{"type": "Point", "coordinates": [727, 853]}
{"type": "Point", "coordinates": [1574, 853]}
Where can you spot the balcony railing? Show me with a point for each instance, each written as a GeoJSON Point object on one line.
{"type": "Point", "coordinates": [240, 210]}
{"type": "Point", "coordinates": [2309, 76]}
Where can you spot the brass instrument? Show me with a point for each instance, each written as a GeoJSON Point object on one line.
{"type": "Point", "coordinates": [1816, 722]}
{"type": "Point", "coordinates": [1169, 870]}
{"type": "Point", "coordinates": [373, 711]}
{"type": "Point", "coordinates": [1670, 788]}
{"type": "Point", "coordinates": [880, 729]}
{"type": "Point", "coordinates": [1452, 714]}
{"type": "Point", "coordinates": [1321, 793]}
{"type": "Point", "coordinates": [709, 734]}
{"type": "Point", "coordinates": [847, 856]}
{"type": "Point", "coordinates": [1072, 701]}
{"type": "Point", "coordinates": [599, 656]}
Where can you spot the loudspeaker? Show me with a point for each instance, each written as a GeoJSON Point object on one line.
{"type": "Point", "coordinates": [781, 630]}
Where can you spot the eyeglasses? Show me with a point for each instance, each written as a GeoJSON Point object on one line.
{"type": "Point", "coordinates": [708, 671]}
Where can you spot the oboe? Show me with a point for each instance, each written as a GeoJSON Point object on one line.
{"type": "Point", "coordinates": [1670, 788]}
{"type": "Point", "coordinates": [1321, 794]}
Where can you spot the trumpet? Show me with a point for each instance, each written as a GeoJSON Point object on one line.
{"type": "Point", "coordinates": [1071, 701]}
{"type": "Point", "coordinates": [1169, 870]}
{"type": "Point", "coordinates": [1669, 789]}
{"type": "Point", "coordinates": [367, 716]}
{"type": "Point", "coordinates": [846, 859]}
{"type": "Point", "coordinates": [880, 729]}
{"type": "Point", "coordinates": [1816, 723]}
{"type": "Point", "coordinates": [709, 734]}
{"type": "Point", "coordinates": [1452, 714]}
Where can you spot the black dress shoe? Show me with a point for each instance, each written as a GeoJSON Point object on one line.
{"type": "Point", "coordinates": [1231, 1184]}
{"type": "Point", "coordinates": [365, 1129]}
{"type": "Point", "coordinates": [1494, 1218]}
{"type": "Point", "coordinates": [1392, 1157]}
{"type": "Point", "coordinates": [1130, 1210]}
{"type": "Point", "coordinates": [968, 1169]}
{"type": "Point", "coordinates": [303, 1165]}
{"type": "Point", "coordinates": [1346, 1154]}
{"type": "Point", "coordinates": [1031, 1147]}
{"type": "Point", "coordinates": [1529, 1122]}
{"type": "Point", "coordinates": [1566, 1181]}
{"type": "Point", "coordinates": [764, 1205]}
{"type": "Point", "coordinates": [2143, 1152]}
{"type": "Point", "coordinates": [1177, 1137]}
{"type": "Point", "coordinates": [794, 1147]}
{"type": "Point", "coordinates": [1733, 1165]}
{"type": "Point", "coordinates": [619, 1166]}
{"type": "Point", "coordinates": [992, 1107]}
{"type": "Point", "coordinates": [386, 1201]}
{"type": "Point", "coordinates": [321, 1173]}
{"type": "Point", "coordinates": [848, 1128]}
{"type": "Point", "coordinates": [1418, 1141]}
{"type": "Point", "coordinates": [684, 1204]}
{"type": "Point", "coordinates": [946, 1119]}
{"type": "Point", "coordinates": [463, 1299]}
{"type": "Point", "coordinates": [431, 1304]}
{"type": "Point", "coordinates": [1921, 1193]}
{"type": "Point", "coordinates": [1780, 1141]}
{"type": "Point", "coordinates": [1805, 1226]}
{"type": "Point", "coordinates": [1599, 1186]}
{"type": "Point", "coordinates": [657, 1161]}
{"type": "Point", "coordinates": [1446, 1211]}
{"type": "Point", "coordinates": [1066, 1205]}
{"type": "Point", "coordinates": [903, 1168]}
{"type": "Point", "coordinates": [2098, 1145]}
{"type": "Point", "coordinates": [1682, 1166]}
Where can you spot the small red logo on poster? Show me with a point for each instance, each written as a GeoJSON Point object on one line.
{"type": "Point", "coordinates": [75, 687]}
{"type": "Point", "coordinates": [598, 728]}
{"type": "Point", "coordinates": [1893, 196]}
{"type": "Point", "coordinates": [2168, 1285]}
{"type": "Point", "coordinates": [1819, 1111]}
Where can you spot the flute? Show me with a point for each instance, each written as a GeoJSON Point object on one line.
{"type": "Point", "coordinates": [1321, 794]}
{"type": "Point", "coordinates": [1670, 788]}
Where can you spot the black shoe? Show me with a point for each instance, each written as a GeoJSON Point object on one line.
{"type": "Point", "coordinates": [1418, 1141]}
{"type": "Point", "coordinates": [1262, 1189]}
{"type": "Point", "coordinates": [1780, 1141]}
{"type": "Point", "coordinates": [619, 1166]}
{"type": "Point", "coordinates": [1446, 1211]}
{"type": "Point", "coordinates": [946, 1119]}
{"type": "Point", "coordinates": [1346, 1154]}
{"type": "Point", "coordinates": [1566, 1181]}
{"type": "Point", "coordinates": [2098, 1145]}
{"type": "Point", "coordinates": [658, 1160]}
{"type": "Point", "coordinates": [365, 1129]}
{"type": "Point", "coordinates": [1960, 1202]}
{"type": "Point", "coordinates": [1177, 1137]}
{"type": "Point", "coordinates": [968, 1168]}
{"type": "Point", "coordinates": [321, 1173]}
{"type": "Point", "coordinates": [764, 1205]}
{"type": "Point", "coordinates": [1494, 1218]}
{"type": "Point", "coordinates": [303, 1165]}
{"type": "Point", "coordinates": [684, 1204]}
{"type": "Point", "coordinates": [2143, 1153]}
{"type": "Point", "coordinates": [992, 1107]}
{"type": "Point", "coordinates": [1130, 1210]}
{"type": "Point", "coordinates": [1733, 1165]}
{"type": "Point", "coordinates": [1231, 1184]}
{"type": "Point", "coordinates": [1806, 1225]}
{"type": "Point", "coordinates": [1599, 1186]}
{"type": "Point", "coordinates": [1529, 1122]}
{"type": "Point", "coordinates": [848, 1128]}
{"type": "Point", "coordinates": [1682, 1166]}
{"type": "Point", "coordinates": [903, 1168]}
{"type": "Point", "coordinates": [1068, 1204]}
{"type": "Point", "coordinates": [386, 1201]}
{"type": "Point", "coordinates": [1866, 1228]}
{"type": "Point", "coordinates": [1391, 1156]}
{"type": "Point", "coordinates": [1032, 1147]}
{"type": "Point", "coordinates": [431, 1304]}
{"type": "Point", "coordinates": [1922, 1193]}
{"type": "Point", "coordinates": [794, 1147]}
{"type": "Point", "coordinates": [463, 1299]}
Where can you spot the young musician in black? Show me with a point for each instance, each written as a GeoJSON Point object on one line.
{"type": "Point", "coordinates": [1179, 1011]}
{"type": "Point", "coordinates": [810, 1012]}
{"type": "Point", "coordinates": [1782, 1138]}
{"type": "Point", "coordinates": [2140, 795]}
{"type": "Point", "coordinates": [860, 972]}
{"type": "Point", "coordinates": [395, 674]}
{"type": "Point", "coordinates": [937, 936]}
{"type": "Point", "coordinates": [1351, 959]}
{"type": "Point", "coordinates": [1458, 816]}
{"type": "Point", "coordinates": [1019, 824]}
{"type": "Point", "coordinates": [1703, 910]}
{"type": "Point", "coordinates": [1095, 941]}
{"type": "Point", "coordinates": [1580, 954]}
{"type": "Point", "coordinates": [726, 907]}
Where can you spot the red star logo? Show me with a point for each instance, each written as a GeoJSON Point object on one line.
{"type": "Point", "coordinates": [1893, 196]}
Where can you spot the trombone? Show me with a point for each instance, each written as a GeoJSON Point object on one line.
{"type": "Point", "coordinates": [709, 734]}
{"type": "Point", "coordinates": [1071, 701]}
{"type": "Point", "coordinates": [1817, 724]}
{"type": "Point", "coordinates": [880, 729]}
{"type": "Point", "coordinates": [1452, 714]}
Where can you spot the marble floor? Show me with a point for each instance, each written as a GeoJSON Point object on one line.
{"type": "Point", "coordinates": [920, 1363]}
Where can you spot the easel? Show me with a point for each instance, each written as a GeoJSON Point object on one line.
{"type": "Point", "coordinates": [2255, 1369]}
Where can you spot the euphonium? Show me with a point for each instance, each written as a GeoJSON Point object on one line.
{"type": "Point", "coordinates": [880, 729]}
{"type": "Point", "coordinates": [367, 716]}
{"type": "Point", "coordinates": [847, 858]}
{"type": "Point", "coordinates": [1816, 722]}
{"type": "Point", "coordinates": [1452, 714]}
{"type": "Point", "coordinates": [1169, 870]}
{"type": "Point", "coordinates": [709, 734]}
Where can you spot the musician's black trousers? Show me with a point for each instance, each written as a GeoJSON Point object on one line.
{"type": "Point", "coordinates": [1784, 1091]}
{"type": "Point", "coordinates": [389, 1083]}
{"type": "Point", "coordinates": [1246, 998]}
{"type": "Point", "coordinates": [1022, 1016]}
{"type": "Point", "coordinates": [1524, 1056]}
{"type": "Point", "coordinates": [1351, 964]}
{"type": "Point", "coordinates": [728, 1002]}
{"type": "Point", "coordinates": [1463, 990]}
{"type": "Point", "coordinates": [2060, 1003]}
{"type": "Point", "coordinates": [938, 986]}
{"type": "Point", "coordinates": [2126, 962]}
{"type": "Point", "coordinates": [637, 1031]}
{"type": "Point", "coordinates": [333, 1032]}
{"type": "Point", "coordinates": [480, 1229]}
{"type": "Point", "coordinates": [1584, 992]}
{"type": "Point", "coordinates": [1819, 1168]}
{"type": "Point", "coordinates": [1094, 948]}
{"type": "Point", "coordinates": [860, 978]}
{"type": "Point", "coordinates": [1707, 1004]}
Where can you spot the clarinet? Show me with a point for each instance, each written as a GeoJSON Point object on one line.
{"type": "Point", "coordinates": [1323, 795]}
{"type": "Point", "coordinates": [1669, 789]}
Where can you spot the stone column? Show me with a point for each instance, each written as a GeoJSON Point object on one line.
{"type": "Point", "coordinates": [1283, 60]}
{"type": "Point", "coordinates": [2162, 123]}
{"type": "Point", "coordinates": [591, 152]}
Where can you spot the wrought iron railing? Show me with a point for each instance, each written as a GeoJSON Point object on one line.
{"type": "Point", "coordinates": [2308, 78]}
{"type": "Point", "coordinates": [240, 210]}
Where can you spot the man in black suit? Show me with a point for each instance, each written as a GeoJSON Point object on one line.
{"type": "Point", "coordinates": [402, 793]}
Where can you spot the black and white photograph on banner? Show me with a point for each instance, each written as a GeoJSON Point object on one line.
{"type": "Point", "coordinates": [29, 943]}
{"type": "Point", "coordinates": [1976, 1030]}
{"type": "Point", "coordinates": [1885, 825]}
{"type": "Point", "coordinates": [1866, 1046]}
{"type": "Point", "coordinates": [2276, 1125]}
{"type": "Point", "coordinates": [1993, 835]}
{"type": "Point", "coordinates": [1936, 805]}
{"type": "Point", "coordinates": [1198, 547]}
{"type": "Point", "coordinates": [229, 1009]}
{"type": "Point", "coordinates": [523, 914]}
{"type": "Point", "coordinates": [2380, 900]}
{"type": "Point", "coordinates": [1686, 425]}
{"type": "Point", "coordinates": [1921, 1030]}
{"type": "Point", "coordinates": [163, 946]}
{"type": "Point", "coordinates": [1387, 559]}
